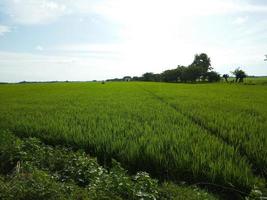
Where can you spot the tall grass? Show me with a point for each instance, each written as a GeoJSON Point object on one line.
{"type": "Point", "coordinates": [235, 113]}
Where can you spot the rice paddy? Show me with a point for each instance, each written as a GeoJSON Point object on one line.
{"type": "Point", "coordinates": [198, 133]}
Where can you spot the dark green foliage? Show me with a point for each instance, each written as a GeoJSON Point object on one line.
{"type": "Point", "coordinates": [145, 187]}
{"type": "Point", "coordinates": [45, 172]}
{"type": "Point", "coordinates": [56, 173]}
{"type": "Point", "coordinates": [170, 75]}
{"type": "Point", "coordinates": [196, 71]}
{"type": "Point", "coordinates": [170, 191]}
{"type": "Point", "coordinates": [213, 76]}
{"type": "Point", "coordinates": [149, 76]}
{"type": "Point", "coordinates": [157, 78]}
{"type": "Point", "coordinates": [33, 184]}
{"type": "Point", "coordinates": [203, 62]}
{"type": "Point", "coordinates": [8, 156]}
{"type": "Point", "coordinates": [226, 76]}
{"type": "Point", "coordinates": [136, 78]}
{"type": "Point", "coordinates": [239, 75]}
{"type": "Point", "coordinates": [191, 74]}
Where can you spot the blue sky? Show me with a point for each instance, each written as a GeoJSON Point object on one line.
{"type": "Point", "coordinates": [44, 40]}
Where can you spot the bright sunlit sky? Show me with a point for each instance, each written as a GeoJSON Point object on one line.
{"type": "Point", "coordinates": [42, 40]}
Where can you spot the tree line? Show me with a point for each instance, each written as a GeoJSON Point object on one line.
{"type": "Point", "coordinates": [199, 71]}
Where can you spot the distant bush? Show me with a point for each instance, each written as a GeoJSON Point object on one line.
{"type": "Point", "coordinates": [213, 76]}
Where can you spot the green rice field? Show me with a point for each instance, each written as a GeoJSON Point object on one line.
{"type": "Point", "coordinates": [198, 133]}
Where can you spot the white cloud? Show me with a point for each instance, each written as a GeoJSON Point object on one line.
{"type": "Point", "coordinates": [10, 57]}
{"type": "Point", "coordinates": [139, 9]}
{"type": "Point", "coordinates": [39, 48]}
{"type": "Point", "coordinates": [165, 33]}
{"type": "Point", "coordinates": [158, 22]}
{"type": "Point", "coordinates": [154, 35]}
{"type": "Point", "coordinates": [4, 29]}
{"type": "Point", "coordinates": [240, 20]}
{"type": "Point", "coordinates": [90, 47]}
{"type": "Point", "coordinates": [45, 11]}
{"type": "Point", "coordinates": [29, 12]}
{"type": "Point", "coordinates": [31, 67]}
{"type": "Point", "coordinates": [34, 11]}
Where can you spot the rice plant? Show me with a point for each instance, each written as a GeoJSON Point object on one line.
{"type": "Point", "coordinates": [196, 133]}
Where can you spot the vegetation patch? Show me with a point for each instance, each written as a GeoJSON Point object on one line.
{"type": "Point", "coordinates": [32, 170]}
{"type": "Point", "coordinates": [170, 131]}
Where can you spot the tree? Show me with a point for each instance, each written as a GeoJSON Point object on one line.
{"type": "Point", "coordinates": [170, 75]}
{"type": "Point", "coordinates": [180, 70]}
{"type": "Point", "coordinates": [136, 78]}
{"type": "Point", "coordinates": [191, 74]}
{"type": "Point", "coordinates": [127, 78]}
{"type": "Point", "coordinates": [226, 76]}
{"type": "Point", "coordinates": [239, 75]}
{"type": "Point", "coordinates": [199, 69]}
{"type": "Point", "coordinates": [157, 77]}
{"type": "Point", "coordinates": [149, 76]}
{"type": "Point", "coordinates": [203, 62]}
{"type": "Point", "coordinates": [265, 58]}
{"type": "Point", "coordinates": [213, 76]}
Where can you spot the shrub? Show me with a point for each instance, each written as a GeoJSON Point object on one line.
{"type": "Point", "coordinates": [213, 76]}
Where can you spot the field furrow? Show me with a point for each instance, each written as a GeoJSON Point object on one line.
{"type": "Point", "coordinates": [211, 130]}
{"type": "Point", "coordinates": [241, 121]}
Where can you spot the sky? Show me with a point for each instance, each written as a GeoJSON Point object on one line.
{"type": "Point", "coordinates": [81, 40]}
